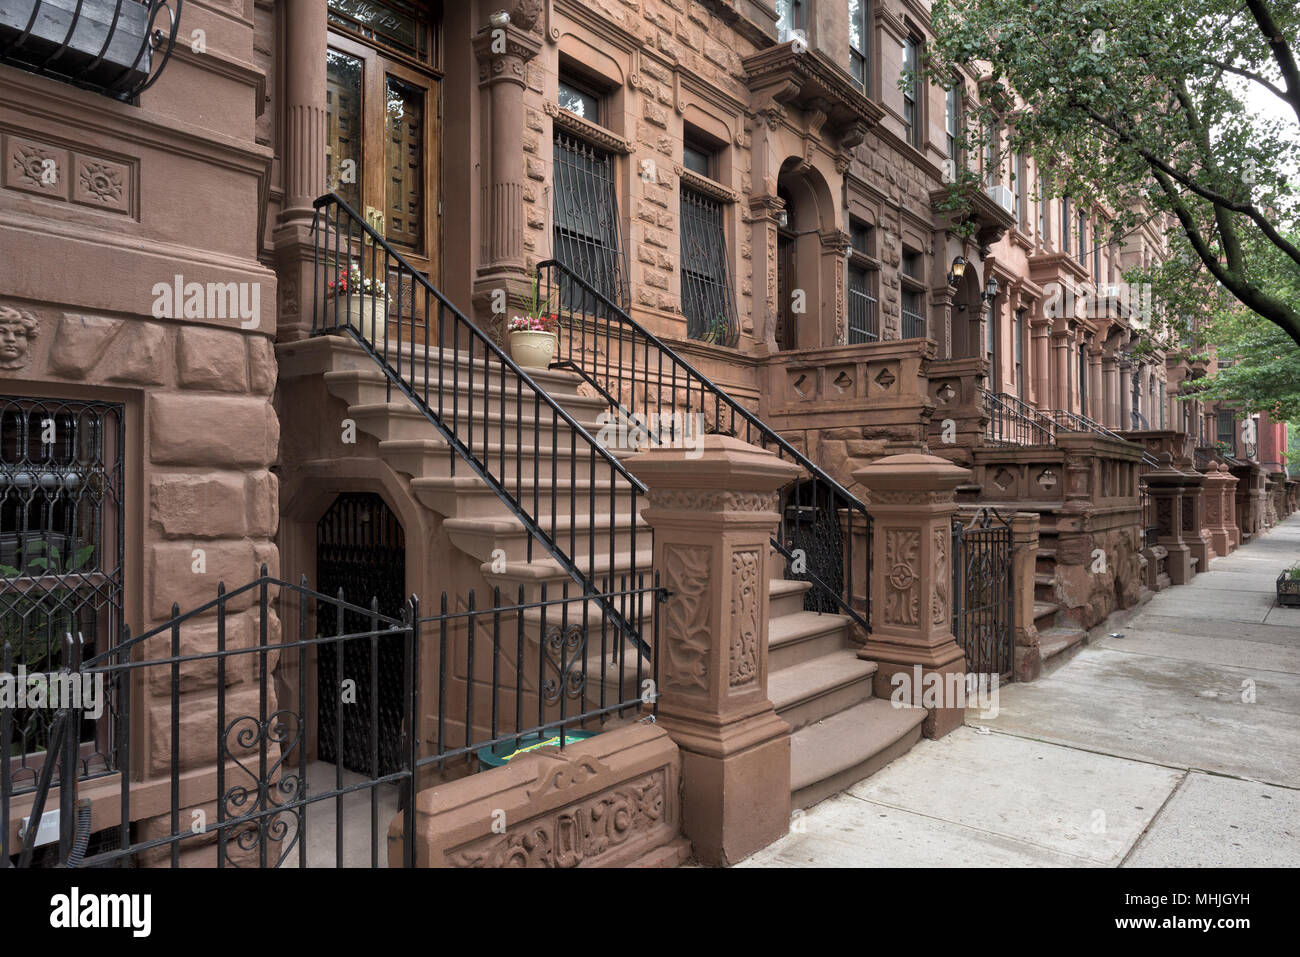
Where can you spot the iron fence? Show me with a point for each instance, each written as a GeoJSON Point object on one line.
{"type": "Point", "coordinates": [645, 381]}
{"type": "Point", "coordinates": [228, 736]}
{"type": "Point", "coordinates": [983, 593]}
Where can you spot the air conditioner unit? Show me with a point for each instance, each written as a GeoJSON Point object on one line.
{"type": "Point", "coordinates": [1003, 197]}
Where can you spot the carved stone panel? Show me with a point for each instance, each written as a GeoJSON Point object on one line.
{"type": "Point", "coordinates": [902, 581]}
{"type": "Point", "coordinates": [745, 599]}
{"type": "Point", "coordinates": [687, 617]}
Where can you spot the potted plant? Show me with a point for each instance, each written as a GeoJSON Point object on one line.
{"type": "Point", "coordinates": [534, 334]}
{"type": "Point", "coordinates": [1288, 587]}
{"type": "Point", "coordinates": [367, 302]}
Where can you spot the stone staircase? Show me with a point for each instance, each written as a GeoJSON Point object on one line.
{"type": "Point", "coordinates": [841, 733]}
{"type": "Point", "coordinates": [1057, 640]}
{"type": "Point", "coordinates": [817, 683]}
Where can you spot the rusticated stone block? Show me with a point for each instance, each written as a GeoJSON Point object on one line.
{"type": "Point", "coordinates": [80, 343]}
{"type": "Point", "coordinates": [199, 636]}
{"type": "Point", "coordinates": [604, 802]}
{"type": "Point", "coordinates": [262, 369]}
{"type": "Point", "coordinates": [209, 430]}
{"type": "Point", "coordinates": [180, 575]}
{"type": "Point", "coordinates": [262, 494]}
{"type": "Point", "coordinates": [212, 359]}
{"type": "Point", "coordinates": [199, 506]}
{"type": "Point", "coordinates": [196, 745]}
{"type": "Point", "coordinates": [141, 355]}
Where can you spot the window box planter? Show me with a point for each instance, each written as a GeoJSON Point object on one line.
{"type": "Point", "coordinates": [533, 350]}
{"type": "Point", "coordinates": [123, 67]}
{"type": "Point", "coordinates": [1288, 590]}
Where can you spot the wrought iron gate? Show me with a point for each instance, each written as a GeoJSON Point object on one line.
{"type": "Point", "coordinates": [360, 558]}
{"type": "Point", "coordinates": [982, 593]}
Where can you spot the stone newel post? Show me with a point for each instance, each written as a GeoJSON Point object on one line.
{"type": "Point", "coordinates": [911, 501]}
{"type": "Point", "coordinates": [713, 518]}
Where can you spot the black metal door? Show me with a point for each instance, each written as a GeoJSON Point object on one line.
{"type": "Point", "coordinates": [360, 556]}
{"type": "Point", "coordinates": [982, 593]}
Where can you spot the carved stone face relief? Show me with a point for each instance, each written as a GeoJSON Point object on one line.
{"type": "Point", "coordinates": [17, 330]}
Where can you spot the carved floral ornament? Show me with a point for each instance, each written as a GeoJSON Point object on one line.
{"type": "Point", "coordinates": [715, 501]}
{"type": "Point", "coordinates": [17, 330]}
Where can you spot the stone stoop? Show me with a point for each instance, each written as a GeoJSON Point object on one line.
{"type": "Point", "coordinates": [841, 733]}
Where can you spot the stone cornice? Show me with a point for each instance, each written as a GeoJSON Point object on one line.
{"type": "Point", "coordinates": [586, 130]}
{"type": "Point", "coordinates": [780, 76]}
{"type": "Point", "coordinates": [702, 184]}
{"type": "Point", "coordinates": [992, 221]}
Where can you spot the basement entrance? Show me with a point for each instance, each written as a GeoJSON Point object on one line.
{"type": "Point", "coordinates": [360, 556]}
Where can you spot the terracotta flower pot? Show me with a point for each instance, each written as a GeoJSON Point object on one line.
{"type": "Point", "coordinates": [369, 316]}
{"type": "Point", "coordinates": [532, 350]}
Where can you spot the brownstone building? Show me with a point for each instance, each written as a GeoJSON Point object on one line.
{"type": "Point", "coordinates": [255, 333]}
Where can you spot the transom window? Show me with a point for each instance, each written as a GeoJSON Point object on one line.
{"type": "Point", "coordinates": [396, 25]}
{"type": "Point", "coordinates": [579, 101]}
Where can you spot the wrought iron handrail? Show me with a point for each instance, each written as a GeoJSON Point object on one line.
{"type": "Point", "coordinates": [363, 302]}
{"type": "Point", "coordinates": [645, 380]}
{"type": "Point", "coordinates": [1012, 422]}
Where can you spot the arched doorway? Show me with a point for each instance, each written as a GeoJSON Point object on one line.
{"type": "Point", "coordinates": [360, 552]}
{"type": "Point", "coordinates": [786, 275]}
{"type": "Point", "coordinates": [967, 306]}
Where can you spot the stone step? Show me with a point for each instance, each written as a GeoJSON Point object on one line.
{"type": "Point", "coordinates": [468, 496]}
{"type": "Point", "coordinates": [1043, 609]}
{"type": "Point", "coordinates": [388, 421]}
{"type": "Point", "coordinates": [544, 569]}
{"type": "Point", "coordinates": [786, 595]}
{"type": "Point", "coordinates": [434, 456]}
{"type": "Point", "coordinates": [816, 689]}
{"type": "Point", "coordinates": [803, 636]}
{"type": "Point", "coordinates": [480, 537]}
{"type": "Point", "coordinates": [1059, 645]}
{"type": "Point", "coordinates": [832, 754]}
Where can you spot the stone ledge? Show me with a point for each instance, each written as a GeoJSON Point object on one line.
{"type": "Point", "coordinates": [609, 801]}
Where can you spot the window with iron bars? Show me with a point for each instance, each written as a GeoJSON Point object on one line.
{"type": "Point", "coordinates": [864, 324]}
{"type": "Point", "coordinates": [707, 302]}
{"type": "Point", "coordinates": [913, 315]}
{"type": "Point", "coordinates": [587, 228]}
{"type": "Point", "coordinates": [61, 555]}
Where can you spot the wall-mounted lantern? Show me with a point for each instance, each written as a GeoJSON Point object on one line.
{"type": "Point", "coordinates": [956, 271]}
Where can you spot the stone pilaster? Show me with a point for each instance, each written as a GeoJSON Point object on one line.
{"type": "Point", "coordinates": [1168, 488]}
{"type": "Point", "coordinates": [1217, 496]}
{"type": "Point", "coordinates": [1024, 558]}
{"type": "Point", "coordinates": [713, 519]}
{"type": "Point", "coordinates": [911, 501]}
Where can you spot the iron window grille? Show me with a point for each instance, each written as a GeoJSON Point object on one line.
{"type": "Point", "coordinates": [587, 228]}
{"type": "Point", "coordinates": [115, 47]}
{"type": "Point", "coordinates": [1065, 224]}
{"type": "Point", "coordinates": [864, 323]}
{"type": "Point", "coordinates": [707, 302]}
{"type": "Point", "coordinates": [61, 556]}
{"type": "Point", "coordinates": [913, 315]}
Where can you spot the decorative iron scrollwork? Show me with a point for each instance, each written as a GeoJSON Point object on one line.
{"type": "Point", "coordinates": [565, 648]}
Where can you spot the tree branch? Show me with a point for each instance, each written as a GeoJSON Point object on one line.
{"type": "Point", "coordinates": [1281, 51]}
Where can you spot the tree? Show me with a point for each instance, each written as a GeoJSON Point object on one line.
{"type": "Point", "coordinates": [1142, 106]}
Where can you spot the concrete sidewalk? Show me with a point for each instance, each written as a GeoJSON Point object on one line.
{"type": "Point", "coordinates": [1177, 744]}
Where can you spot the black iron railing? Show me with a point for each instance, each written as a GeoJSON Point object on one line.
{"type": "Point", "coordinates": [491, 414]}
{"type": "Point", "coordinates": [1012, 422]}
{"type": "Point", "coordinates": [474, 686]}
{"type": "Point", "coordinates": [115, 47]}
{"type": "Point", "coordinates": [646, 381]}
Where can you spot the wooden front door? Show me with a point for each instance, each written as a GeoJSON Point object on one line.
{"type": "Point", "coordinates": [382, 134]}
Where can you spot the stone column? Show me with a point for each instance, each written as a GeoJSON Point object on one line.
{"type": "Point", "coordinates": [302, 162]}
{"type": "Point", "coordinates": [713, 519]}
{"type": "Point", "coordinates": [1061, 345]}
{"type": "Point", "coordinates": [911, 500]}
{"type": "Point", "coordinates": [1166, 485]}
{"type": "Point", "coordinates": [1024, 559]}
{"type": "Point", "coordinates": [1109, 376]}
{"type": "Point", "coordinates": [1096, 401]}
{"type": "Point", "coordinates": [503, 55]}
{"type": "Point", "coordinates": [1039, 334]}
{"type": "Point", "coordinates": [1125, 396]}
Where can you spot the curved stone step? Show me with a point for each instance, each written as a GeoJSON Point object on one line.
{"type": "Point", "coordinates": [835, 753]}
{"type": "Point", "coordinates": [816, 689]}
{"type": "Point", "coordinates": [803, 636]}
